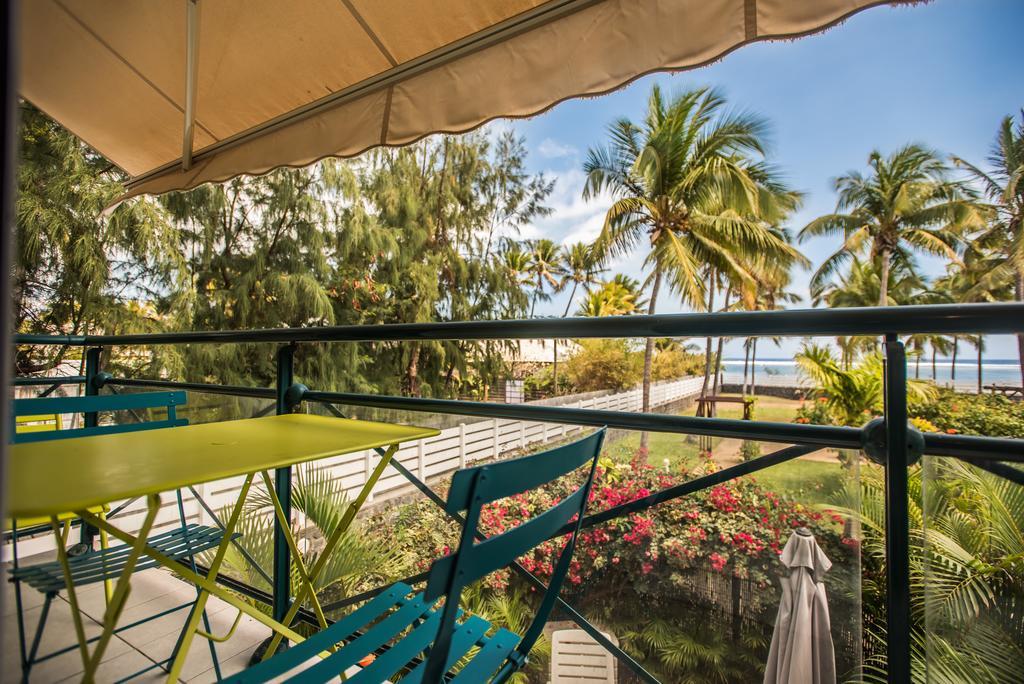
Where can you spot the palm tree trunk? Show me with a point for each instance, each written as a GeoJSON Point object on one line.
{"type": "Point", "coordinates": [883, 289]}
{"type": "Point", "coordinates": [718, 357]}
{"type": "Point", "coordinates": [554, 367]}
{"type": "Point", "coordinates": [649, 357]}
{"type": "Point", "coordinates": [917, 367]}
{"type": "Point", "coordinates": [1020, 336]}
{"type": "Point", "coordinates": [707, 340]}
{"type": "Point", "coordinates": [952, 371]}
{"type": "Point", "coordinates": [935, 377]}
{"type": "Point", "coordinates": [753, 369]}
{"type": "Point", "coordinates": [746, 363]}
{"type": "Point", "coordinates": [980, 346]}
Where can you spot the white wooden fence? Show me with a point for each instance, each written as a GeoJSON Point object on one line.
{"type": "Point", "coordinates": [454, 448]}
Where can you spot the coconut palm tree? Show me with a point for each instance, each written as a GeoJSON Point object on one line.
{"type": "Point", "coordinates": [862, 286]}
{"type": "Point", "coordinates": [1003, 239]}
{"type": "Point", "coordinates": [689, 184]}
{"type": "Point", "coordinates": [581, 268]}
{"type": "Point", "coordinates": [610, 299]}
{"type": "Point", "coordinates": [906, 204]}
{"type": "Point", "coordinates": [546, 270]}
{"type": "Point", "coordinates": [853, 395]}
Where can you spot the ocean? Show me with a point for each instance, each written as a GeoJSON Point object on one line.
{"type": "Point", "coordinates": [786, 372]}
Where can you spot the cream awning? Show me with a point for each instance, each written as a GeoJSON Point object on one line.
{"type": "Point", "coordinates": [179, 93]}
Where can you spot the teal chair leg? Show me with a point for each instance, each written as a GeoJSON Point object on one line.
{"type": "Point", "coordinates": [206, 619]}
{"type": "Point", "coordinates": [34, 651]}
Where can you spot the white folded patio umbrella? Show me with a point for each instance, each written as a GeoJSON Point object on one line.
{"type": "Point", "coordinates": [182, 92]}
{"type": "Point", "coordinates": [802, 650]}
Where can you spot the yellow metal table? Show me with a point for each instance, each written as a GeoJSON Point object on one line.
{"type": "Point", "coordinates": [47, 479]}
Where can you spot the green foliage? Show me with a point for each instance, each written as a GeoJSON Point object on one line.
{"type": "Point", "coordinates": [604, 365]}
{"type": "Point", "coordinates": [75, 272]}
{"type": "Point", "coordinates": [358, 562]}
{"type": "Point", "coordinates": [542, 380]}
{"type": "Point", "coordinates": [967, 575]}
{"type": "Point", "coordinates": [975, 414]}
{"type": "Point", "coordinates": [853, 395]}
{"type": "Point", "coordinates": [673, 362]}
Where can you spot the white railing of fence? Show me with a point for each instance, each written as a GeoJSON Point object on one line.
{"type": "Point", "coordinates": [456, 447]}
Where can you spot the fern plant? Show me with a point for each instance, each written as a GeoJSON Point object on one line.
{"type": "Point", "coordinates": [318, 504]}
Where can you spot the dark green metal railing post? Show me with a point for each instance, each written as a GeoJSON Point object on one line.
{"type": "Point", "coordinates": [87, 534]}
{"type": "Point", "coordinates": [897, 523]}
{"type": "Point", "coordinates": [283, 485]}
{"type": "Point", "coordinates": [92, 388]}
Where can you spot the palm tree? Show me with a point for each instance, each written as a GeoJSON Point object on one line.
{"type": "Point", "coordinates": [861, 285]}
{"type": "Point", "coordinates": [610, 299]}
{"type": "Point", "coordinates": [685, 178]}
{"type": "Point", "coordinates": [1004, 237]}
{"type": "Point", "coordinates": [906, 204]}
{"type": "Point", "coordinates": [546, 270]}
{"type": "Point", "coordinates": [581, 267]}
{"type": "Point", "coordinates": [853, 395]}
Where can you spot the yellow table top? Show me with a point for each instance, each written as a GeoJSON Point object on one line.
{"type": "Point", "coordinates": [48, 478]}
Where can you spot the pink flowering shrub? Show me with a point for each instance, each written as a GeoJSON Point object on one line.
{"type": "Point", "coordinates": [737, 528]}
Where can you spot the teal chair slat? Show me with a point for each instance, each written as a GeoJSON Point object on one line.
{"type": "Point", "coordinates": [467, 635]}
{"type": "Point", "coordinates": [93, 404]}
{"type": "Point", "coordinates": [521, 474]}
{"type": "Point", "coordinates": [27, 437]}
{"type": "Point", "coordinates": [89, 568]}
{"type": "Point", "coordinates": [365, 644]}
{"type": "Point", "coordinates": [387, 665]}
{"type": "Point", "coordinates": [321, 641]}
{"type": "Point", "coordinates": [430, 630]}
{"type": "Point", "coordinates": [493, 654]}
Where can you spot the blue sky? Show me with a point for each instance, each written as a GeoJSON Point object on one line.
{"type": "Point", "coordinates": [941, 74]}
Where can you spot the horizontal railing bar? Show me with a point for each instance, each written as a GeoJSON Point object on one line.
{"type": "Point", "coordinates": [937, 444]}
{"type": "Point", "coordinates": [990, 319]}
{"type": "Point", "coordinates": [787, 433]}
{"type": "Point", "coordinates": [56, 380]}
{"type": "Point", "coordinates": [204, 388]}
{"type": "Point", "coordinates": [968, 446]}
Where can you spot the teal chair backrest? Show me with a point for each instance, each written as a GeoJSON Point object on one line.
{"type": "Point", "coordinates": [474, 488]}
{"type": "Point", "coordinates": [50, 406]}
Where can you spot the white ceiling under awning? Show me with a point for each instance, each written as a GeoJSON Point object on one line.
{"type": "Point", "coordinates": [286, 83]}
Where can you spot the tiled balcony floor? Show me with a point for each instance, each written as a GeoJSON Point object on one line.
{"type": "Point", "coordinates": [153, 591]}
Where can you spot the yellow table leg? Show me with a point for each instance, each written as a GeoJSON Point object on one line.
{"type": "Point", "coordinates": [123, 588]}
{"type": "Point", "coordinates": [62, 556]}
{"type": "Point", "coordinates": [198, 580]}
{"type": "Point", "coordinates": [197, 610]}
{"type": "Point", "coordinates": [300, 565]}
{"type": "Point", "coordinates": [332, 541]}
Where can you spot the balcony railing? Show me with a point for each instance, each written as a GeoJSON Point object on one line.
{"type": "Point", "coordinates": [890, 441]}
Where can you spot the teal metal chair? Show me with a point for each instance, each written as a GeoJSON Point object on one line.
{"type": "Point", "coordinates": [40, 419]}
{"type": "Point", "coordinates": [417, 640]}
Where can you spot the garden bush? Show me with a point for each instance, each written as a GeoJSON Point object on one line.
{"type": "Point", "coordinates": [975, 414]}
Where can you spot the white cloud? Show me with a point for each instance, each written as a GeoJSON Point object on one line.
{"type": "Point", "coordinates": [553, 149]}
